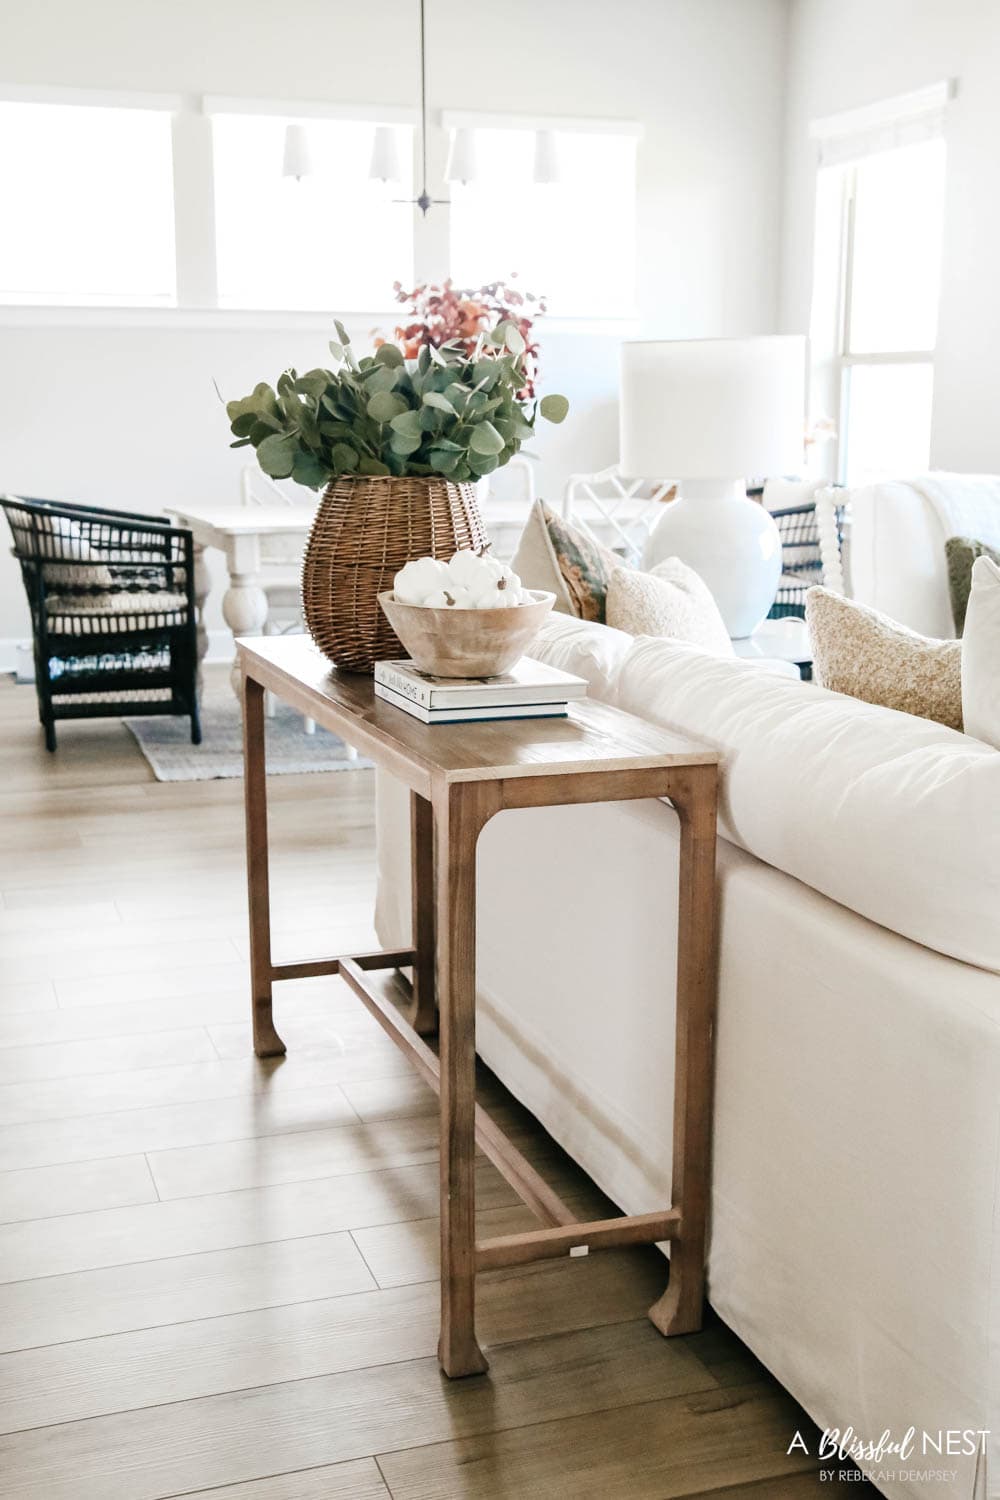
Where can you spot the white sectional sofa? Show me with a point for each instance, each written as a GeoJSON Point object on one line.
{"type": "Point", "coordinates": [855, 1240]}
{"type": "Point", "coordinates": [898, 532]}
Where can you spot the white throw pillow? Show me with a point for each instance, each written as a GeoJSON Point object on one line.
{"type": "Point", "coordinates": [981, 655]}
{"type": "Point", "coordinates": [671, 600]}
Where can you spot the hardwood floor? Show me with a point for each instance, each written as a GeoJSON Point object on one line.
{"type": "Point", "coordinates": [217, 1274]}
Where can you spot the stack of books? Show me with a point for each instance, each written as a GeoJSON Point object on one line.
{"type": "Point", "coordinates": [531, 690]}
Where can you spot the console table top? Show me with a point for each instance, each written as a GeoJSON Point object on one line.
{"type": "Point", "coordinates": [594, 737]}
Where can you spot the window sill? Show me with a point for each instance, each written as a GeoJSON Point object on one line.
{"type": "Point", "coordinates": [238, 320]}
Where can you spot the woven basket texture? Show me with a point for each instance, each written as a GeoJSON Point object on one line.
{"type": "Point", "coordinates": [364, 531]}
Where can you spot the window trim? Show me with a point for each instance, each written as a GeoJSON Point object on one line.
{"type": "Point", "coordinates": [195, 254]}
{"type": "Point", "coordinates": [846, 359]}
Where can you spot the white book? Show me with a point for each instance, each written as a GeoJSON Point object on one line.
{"type": "Point", "coordinates": [469, 715]}
{"type": "Point", "coordinates": [528, 682]}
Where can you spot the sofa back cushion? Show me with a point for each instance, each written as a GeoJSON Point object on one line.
{"type": "Point", "coordinates": [894, 817]}
{"type": "Point", "coordinates": [585, 648]}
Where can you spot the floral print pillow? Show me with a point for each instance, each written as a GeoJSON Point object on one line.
{"type": "Point", "coordinates": [586, 567]}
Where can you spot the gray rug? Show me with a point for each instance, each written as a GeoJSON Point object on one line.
{"type": "Point", "coordinates": [166, 744]}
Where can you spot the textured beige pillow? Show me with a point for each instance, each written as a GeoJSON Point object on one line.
{"type": "Point", "coordinates": [671, 601]}
{"type": "Point", "coordinates": [860, 652]}
{"type": "Point", "coordinates": [981, 654]}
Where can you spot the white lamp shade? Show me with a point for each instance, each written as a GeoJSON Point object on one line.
{"type": "Point", "coordinates": [297, 160]}
{"type": "Point", "coordinates": [546, 156]}
{"type": "Point", "coordinates": [713, 408]}
{"type": "Point", "coordinates": [386, 164]}
{"type": "Point", "coordinates": [462, 163]}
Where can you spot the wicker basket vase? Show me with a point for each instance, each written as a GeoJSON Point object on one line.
{"type": "Point", "coordinates": [364, 531]}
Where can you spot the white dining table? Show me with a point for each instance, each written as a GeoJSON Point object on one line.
{"type": "Point", "coordinates": [245, 535]}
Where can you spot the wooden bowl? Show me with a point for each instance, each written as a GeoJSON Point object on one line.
{"type": "Point", "coordinates": [456, 642]}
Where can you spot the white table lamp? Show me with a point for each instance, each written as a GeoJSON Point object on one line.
{"type": "Point", "coordinates": [710, 413]}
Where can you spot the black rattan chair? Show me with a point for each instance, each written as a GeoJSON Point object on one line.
{"type": "Point", "coordinates": [112, 611]}
{"type": "Point", "coordinates": [801, 557]}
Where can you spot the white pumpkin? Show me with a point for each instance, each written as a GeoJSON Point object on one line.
{"type": "Point", "coordinates": [417, 579]}
{"type": "Point", "coordinates": [499, 595]}
{"type": "Point", "coordinates": [452, 597]}
{"type": "Point", "coordinates": [474, 570]}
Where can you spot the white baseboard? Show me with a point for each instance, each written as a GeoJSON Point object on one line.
{"type": "Point", "coordinates": [220, 648]}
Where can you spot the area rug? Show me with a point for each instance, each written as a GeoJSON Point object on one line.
{"type": "Point", "coordinates": [166, 743]}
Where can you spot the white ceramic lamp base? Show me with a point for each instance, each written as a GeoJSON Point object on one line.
{"type": "Point", "coordinates": [730, 541]}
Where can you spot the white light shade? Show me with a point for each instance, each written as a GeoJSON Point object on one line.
{"type": "Point", "coordinates": [546, 156]}
{"type": "Point", "coordinates": [461, 157]}
{"type": "Point", "coordinates": [297, 160]}
{"type": "Point", "coordinates": [386, 165]}
{"type": "Point", "coordinates": [713, 408]}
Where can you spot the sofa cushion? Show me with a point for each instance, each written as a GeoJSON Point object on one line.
{"type": "Point", "coordinates": [896, 818]}
{"type": "Point", "coordinates": [585, 648]}
{"type": "Point", "coordinates": [981, 655]}
{"type": "Point", "coordinates": [670, 601]}
{"type": "Point", "coordinates": [960, 553]}
{"type": "Point", "coordinates": [858, 651]}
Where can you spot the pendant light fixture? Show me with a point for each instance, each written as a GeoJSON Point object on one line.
{"type": "Point", "coordinates": [461, 157]}
{"type": "Point", "coordinates": [423, 199]}
{"type": "Point", "coordinates": [385, 164]}
{"type": "Point", "coordinates": [546, 157]}
{"type": "Point", "coordinates": [297, 159]}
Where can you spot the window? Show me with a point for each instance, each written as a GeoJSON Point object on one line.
{"type": "Point", "coordinates": [333, 240]}
{"type": "Point", "coordinates": [890, 207]}
{"type": "Point", "coordinates": [571, 241]}
{"type": "Point", "coordinates": [87, 196]}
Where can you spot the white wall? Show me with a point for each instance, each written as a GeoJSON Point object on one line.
{"type": "Point", "coordinates": [846, 53]}
{"type": "Point", "coordinates": [127, 414]}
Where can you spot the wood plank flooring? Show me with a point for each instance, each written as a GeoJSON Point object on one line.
{"type": "Point", "coordinates": [217, 1274]}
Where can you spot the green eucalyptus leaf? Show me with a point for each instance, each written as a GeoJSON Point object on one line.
{"type": "Point", "coordinates": [485, 439]}
{"type": "Point", "coordinates": [514, 339]}
{"type": "Point", "coordinates": [337, 350]}
{"type": "Point", "coordinates": [385, 405]}
{"type": "Point", "coordinates": [380, 378]}
{"type": "Point", "coordinates": [342, 333]}
{"type": "Point", "coordinates": [244, 424]}
{"type": "Point", "coordinates": [344, 458]}
{"type": "Point", "coordinates": [241, 443]}
{"type": "Point", "coordinates": [388, 354]}
{"type": "Point", "coordinates": [407, 421]}
{"type": "Point", "coordinates": [373, 467]}
{"type": "Point", "coordinates": [442, 461]}
{"type": "Point", "coordinates": [482, 463]}
{"type": "Point", "coordinates": [439, 402]}
{"type": "Point", "coordinates": [309, 471]}
{"type": "Point", "coordinates": [313, 383]}
{"type": "Point", "coordinates": [553, 408]}
{"type": "Point", "coordinates": [405, 443]}
{"type": "Point", "coordinates": [276, 455]}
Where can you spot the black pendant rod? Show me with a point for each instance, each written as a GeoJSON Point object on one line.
{"type": "Point", "coordinates": [424, 200]}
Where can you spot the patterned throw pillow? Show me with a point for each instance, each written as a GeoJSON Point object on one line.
{"type": "Point", "coordinates": [670, 601]}
{"type": "Point", "coordinates": [961, 552]}
{"type": "Point", "coordinates": [860, 652]}
{"type": "Point", "coordinates": [557, 556]}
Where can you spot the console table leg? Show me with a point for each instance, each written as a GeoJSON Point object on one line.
{"type": "Point", "coordinates": [460, 815]}
{"type": "Point", "coordinates": [680, 1308]}
{"type": "Point", "coordinates": [266, 1041]}
{"type": "Point", "coordinates": [422, 1015]}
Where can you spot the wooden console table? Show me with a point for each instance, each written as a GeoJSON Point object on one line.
{"type": "Point", "coordinates": [459, 776]}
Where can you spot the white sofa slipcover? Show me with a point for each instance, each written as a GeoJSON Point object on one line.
{"type": "Point", "coordinates": [854, 1207]}
{"type": "Point", "coordinates": [898, 532]}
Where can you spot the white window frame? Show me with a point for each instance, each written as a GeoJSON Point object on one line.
{"type": "Point", "coordinates": [844, 140]}
{"type": "Point", "coordinates": [194, 206]}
